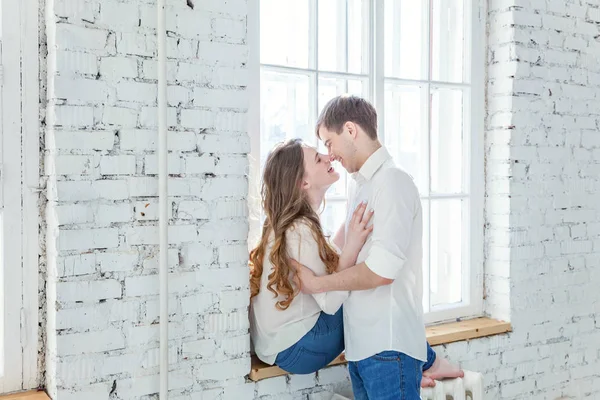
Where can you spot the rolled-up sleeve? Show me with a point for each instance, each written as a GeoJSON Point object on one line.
{"type": "Point", "coordinates": [395, 201]}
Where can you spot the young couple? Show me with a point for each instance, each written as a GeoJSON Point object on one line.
{"type": "Point", "coordinates": [362, 294]}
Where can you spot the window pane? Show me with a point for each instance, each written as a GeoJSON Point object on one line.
{"type": "Point", "coordinates": [406, 47]}
{"type": "Point", "coordinates": [342, 35]}
{"type": "Point", "coordinates": [333, 216]}
{"type": "Point", "coordinates": [446, 251]}
{"type": "Point", "coordinates": [426, 230]}
{"type": "Point", "coordinates": [446, 140]}
{"type": "Point", "coordinates": [447, 40]}
{"type": "Point", "coordinates": [284, 109]}
{"type": "Point", "coordinates": [284, 33]}
{"type": "Point", "coordinates": [405, 130]}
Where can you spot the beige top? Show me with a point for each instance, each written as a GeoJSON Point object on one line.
{"type": "Point", "coordinates": [273, 330]}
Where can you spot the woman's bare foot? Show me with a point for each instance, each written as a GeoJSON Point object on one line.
{"type": "Point", "coordinates": [427, 382]}
{"type": "Point", "coordinates": [442, 369]}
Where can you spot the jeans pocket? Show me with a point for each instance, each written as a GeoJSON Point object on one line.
{"type": "Point", "coordinates": [388, 355]}
{"type": "Point", "coordinates": [303, 361]}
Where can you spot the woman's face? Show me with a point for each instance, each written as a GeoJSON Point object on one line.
{"type": "Point", "coordinates": [318, 171]}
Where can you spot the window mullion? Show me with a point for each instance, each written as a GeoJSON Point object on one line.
{"type": "Point", "coordinates": [378, 63]}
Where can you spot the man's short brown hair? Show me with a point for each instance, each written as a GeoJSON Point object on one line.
{"type": "Point", "coordinates": [344, 108]}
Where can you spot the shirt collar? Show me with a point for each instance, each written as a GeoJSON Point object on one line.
{"type": "Point", "coordinates": [373, 163]}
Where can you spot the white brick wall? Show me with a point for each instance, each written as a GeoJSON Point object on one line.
{"type": "Point", "coordinates": [542, 223]}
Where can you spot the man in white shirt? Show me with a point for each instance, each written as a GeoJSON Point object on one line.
{"type": "Point", "coordinates": [384, 331]}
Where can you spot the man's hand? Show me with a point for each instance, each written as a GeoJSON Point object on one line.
{"type": "Point", "coordinates": [307, 278]}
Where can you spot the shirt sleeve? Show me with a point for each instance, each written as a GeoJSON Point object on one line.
{"type": "Point", "coordinates": [395, 202]}
{"type": "Point", "coordinates": [303, 248]}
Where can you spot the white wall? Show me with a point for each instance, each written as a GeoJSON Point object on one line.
{"type": "Point", "coordinates": [542, 230]}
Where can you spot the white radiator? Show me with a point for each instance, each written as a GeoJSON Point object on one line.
{"type": "Point", "coordinates": [468, 388]}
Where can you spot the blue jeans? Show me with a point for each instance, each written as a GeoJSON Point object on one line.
{"type": "Point", "coordinates": [321, 345]}
{"type": "Point", "coordinates": [388, 375]}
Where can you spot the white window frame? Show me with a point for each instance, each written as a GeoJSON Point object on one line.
{"type": "Point", "coordinates": [474, 133]}
{"type": "Point", "coordinates": [19, 138]}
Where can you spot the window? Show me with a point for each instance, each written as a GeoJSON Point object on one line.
{"type": "Point", "coordinates": [421, 64]}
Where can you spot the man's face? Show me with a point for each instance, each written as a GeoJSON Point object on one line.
{"type": "Point", "coordinates": [341, 147]}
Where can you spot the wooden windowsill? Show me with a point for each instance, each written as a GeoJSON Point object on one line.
{"type": "Point", "coordinates": [436, 335]}
{"type": "Point", "coordinates": [33, 395]}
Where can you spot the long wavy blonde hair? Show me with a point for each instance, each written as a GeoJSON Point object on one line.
{"type": "Point", "coordinates": [284, 202]}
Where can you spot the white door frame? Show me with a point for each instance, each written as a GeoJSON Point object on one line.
{"type": "Point", "coordinates": [20, 179]}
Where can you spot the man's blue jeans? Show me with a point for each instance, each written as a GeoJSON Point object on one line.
{"type": "Point", "coordinates": [388, 375]}
{"type": "Point", "coordinates": [325, 341]}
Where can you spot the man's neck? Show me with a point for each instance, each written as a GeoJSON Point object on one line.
{"type": "Point", "coordinates": [369, 149]}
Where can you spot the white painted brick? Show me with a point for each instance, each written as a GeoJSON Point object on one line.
{"type": "Point", "coordinates": [137, 92]}
{"type": "Point", "coordinates": [92, 140]}
{"type": "Point", "coordinates": [233, 55]}
{"type": "Point", "coordinates": [76, 62]}
{"type": "Point", "coordinates": [178, 95]}
{"type": "Point", "coordinates": [232, 300]}
{"type": "Point", "coordinates": [205, 164]}
{"type": "Point", "coordinates": [148, 211]}
{"type": "Point", "coordinates": [229, 76]}
{"type": "Point", "coordinates": [97, 316]}
{"type": "Point", "coordinates": [224, 370]}
{"type": "Point", "coordinates": [197, 253]}
{"type": "Point", "coordinates": [333, 374]}
{"type": "Point", "coordinates": [70, 165]}
{"type": "Point", "coordinates": [115, 68]}
{"type": "Point", "coordinates": [220, 98]}
{"type": "Point", "coordinates": [83, 239]}
{"type": "Point", "coordinates": [88, 290]}
{"type": "Point", "coordinates": [73, 214]}
{"type": "Point", "coordinates": [197, 119]}
{"type": "Point", "coordinates": [194, 25]}
{"type": "Point", "coordinates": [193, 210]}
{"type": "Point", "coordinates": [272, 386]}
{"type": "Point", "coordinates": [149, 20]}
{"type": "Point", "coordinates": [299, 382]}
{"type": "Point", "coordinates": [144, 140]}
{"type": "Point", "coordinates": [174, 164]}
{"type": "Point", "coordinates": [220, 323]}
{"type": "Point", "coordinates": [231, 209]}
{"type": "Point", "coordinates": [119, 16]}
{"type": "Point", "coordinates": [74, 37]}
{"type": "Point", "coordinates": [236, 346]}
{"type": "Point", "coordinates": [81, 264]}
{"type": "Point", "coordinates": [82, 10]}
{"type": "Point", "coordinates": [151, 262]}
{"type": "Point", "coordinates": [204, 348]}
{"type": "Point", "coordinates": [198, 303]}
{"type": "Point", "coordinates": [72, 116]}
{"type": "Point", "coordinates": [149, 234]}
{"type": "Point", "coordinates": [228, 121]}
{"type": "Point", "coordinates": [230, 28]}
{"type": "Point", "coordinates": [228, 165]}
{"type": "Point", "coordinates": [117, 165]}
{"type": "Point", "coordinates": [233, 253]}
{"type": "Point", "coordinates": [239, 392]}
{"type": "Point", "coordinates": [227, 144]}
{"type": "Point", "coordinates": [92, 342]}
{"type": "Point", "coordinates": [195, 73]}
{"type": "Point", "coordinates": [120, 116]}
{"type": "Point", "coordinates": [153, 308]}
{"type": "Point", "coordinates": [149, 116]}
{"type": "Point", "coordinates": [117, 261]}
{"type": "Point", "coordinates": [136, 44]}
{"type": "Point", "coordinates": [227, 187]}
{"type": "Point", "coordinates": [150, 69]}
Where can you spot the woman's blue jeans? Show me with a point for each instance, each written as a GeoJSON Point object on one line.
{"type": "Point", "coordinates": [321, 345]}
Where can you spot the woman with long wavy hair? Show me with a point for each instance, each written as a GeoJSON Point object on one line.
{"type": "Point", "coordinates": [298, 332]}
